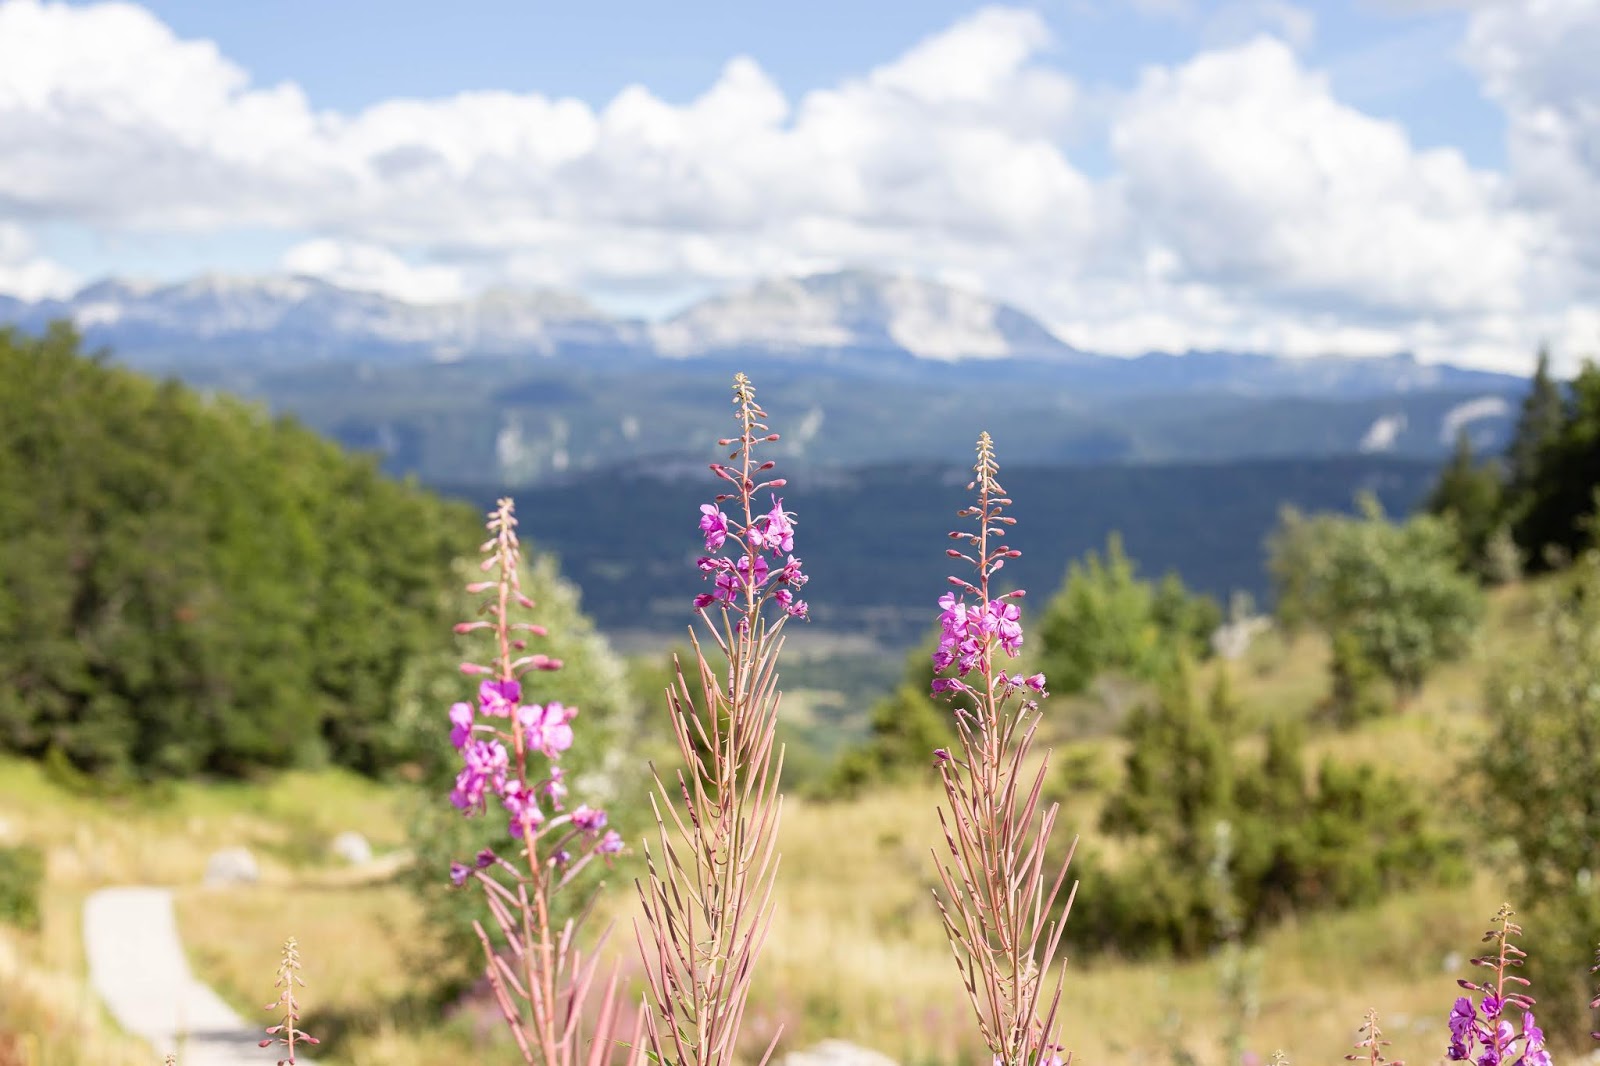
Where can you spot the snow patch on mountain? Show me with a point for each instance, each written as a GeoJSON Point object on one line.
{"type": "Point", "coordinates": [858, 310]}
{"type": "Point", "coordinates": [781, 314]}
{"type": "Point", "coordinates": [1465, 414]}
{"type": "Point", "coordinates": [1383, 433]}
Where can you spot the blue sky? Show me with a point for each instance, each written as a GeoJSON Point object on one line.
{"type": "Point", "coordinates": [1294, 177]}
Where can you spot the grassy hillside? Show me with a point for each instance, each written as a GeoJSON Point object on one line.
{"type": "Point", "coordinates": [855, 951]}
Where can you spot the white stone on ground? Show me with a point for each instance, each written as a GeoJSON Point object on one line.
{"type": "Point", "coordinates": [138, 969]}
{"type": "Point", "coordinates": [232, 866]}
{"type": "Point", "coordinates": [837, 1053]}
{"type": "Point", "coordinates": [352, 847]}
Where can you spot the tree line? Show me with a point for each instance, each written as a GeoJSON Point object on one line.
{"type": "Point", "coordinates": [189, 584]}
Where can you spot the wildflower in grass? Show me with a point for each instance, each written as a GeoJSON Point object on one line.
{"type": "Point", "coordinates": [510, 754]}
{"type": "Point", "coordinates": [997, 897]}
{"type": "Point", "coordinates": [708, 894]}
{"type": "Point", "coordinates": [1484, 1032]}
{"type": "Point", "coordinates": [287, 1033]}
{"type": "Point", "coordinates": [1369, 1048]}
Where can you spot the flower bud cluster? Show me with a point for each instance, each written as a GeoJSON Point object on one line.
{"type": "Point", "coordinates": [742, 579]}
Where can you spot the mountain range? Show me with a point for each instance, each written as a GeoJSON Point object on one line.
{"type": "Point", "coordinates": [858, 368]}
{"type": "Point", "coordinates": [288, 320]}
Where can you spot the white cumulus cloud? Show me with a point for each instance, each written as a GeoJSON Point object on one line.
{"type": "Point", "coordinates": [1246, 206]}
{"type": "Point", "coordinates": [26, 274]}
{"type": "Point", "coordinates": [372, 268]}
{"type": "Point", "coordinates": [1540, 60]}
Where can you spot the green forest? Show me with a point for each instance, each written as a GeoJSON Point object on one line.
{"type": "Point", "coordinates": [189, 585]}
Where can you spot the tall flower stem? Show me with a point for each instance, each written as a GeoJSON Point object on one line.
{"type": "Point", "coordinates": [998, 887]}
{"type": "Point", "coordinates": [707, 897]}
{"type": "Point", "coordinates": [542, 982]}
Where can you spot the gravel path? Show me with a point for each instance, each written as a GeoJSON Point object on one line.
{"type": "Point", "coordinates": [136, 966]}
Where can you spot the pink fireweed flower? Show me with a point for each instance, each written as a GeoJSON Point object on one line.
{"type": "Point", "coordinates": [1482, 1033]}
{"type": "Point", "coordinates": [498, 699]}
{"type": "Point", "coordinates": [520, 805]}
{"type": "Point", "coordinates": [546, 727]}
{"type": "Point", "coordinates": [793, 607]}
{"type": "Point", "coordinates": [746, 568]}
{"type": "Point", "coordinates": [460, 724]}
{"type": "Point", "coordinates": [742, 582]}
{"type": "Point", "coordinates": [1005, 618]}
{"type": "Point", "coordinates": [510, 750]}
{"type": "Point", "coordinates": [773, 531]}
{"type": "Point", "coordinates": [554, 789]}
{"type": "Point", "coordinates": [789, 574]}
{"type": "Point", "coordinates": [588, 819]}
{"type": "Point", "coordinates": [714, 525]}
{"type": "Point", "coordinates": [485, 770]}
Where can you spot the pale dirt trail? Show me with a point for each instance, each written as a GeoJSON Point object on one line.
{"type": "Point", "coordinates": [137, 967]}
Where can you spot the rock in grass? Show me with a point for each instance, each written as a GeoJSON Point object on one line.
{"type": "Point", "coordinates": [352, 847]}
{"type": "Point", "coordinates": [232, 866]}
{"type": "Point", "coordinates": [837, 1053]}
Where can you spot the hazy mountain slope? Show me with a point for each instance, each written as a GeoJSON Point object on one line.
{"type": "Point", "coordinates": [873, 540]}
{"type": "Point", "coordinates": [510, 421]}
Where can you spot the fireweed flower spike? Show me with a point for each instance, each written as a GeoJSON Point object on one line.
{"type": "Point", "coordinates": [707, 899]}
{"type": "Point", "coordinates": [287, 1033]}
{"type": "Point", "coordinates": [997, 896]}
{"type": "Point", "coordinates": [510, 753]}
{"type": "Point", "coordinates": [1369, 1048]}
{"type": "Point", "coordinates": [1483, 1032]}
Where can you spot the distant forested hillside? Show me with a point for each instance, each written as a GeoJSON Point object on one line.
{"type": "Point", "coordinates": [188, 584]}
{"type": "Point", "coordinates": [873, 540]}
{"type": "Point", "coordinates": [539, 421]}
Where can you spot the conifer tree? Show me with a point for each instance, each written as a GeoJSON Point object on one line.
{"type": "Point", "coordinates": [1468, 494]}
{"type": "Point", "coordinates": [1538, 425]}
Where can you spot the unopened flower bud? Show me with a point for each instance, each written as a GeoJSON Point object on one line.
{"type": "Point", "coordinates": [473, 668]}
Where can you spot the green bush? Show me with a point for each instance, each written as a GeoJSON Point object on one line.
{"type": "Point", "coordinates": [21, 878]}
{"type": "Point", "coordinates": [1342, 837]}
{"type": "Point", "coordinates": [1540, 765]}
{"type": "Point", "coordinates": [1357, 690]}
{"type": "Point", "coordinates": [1394, 590]}
{"type": "Point", "coordinates": [1106, 619]}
